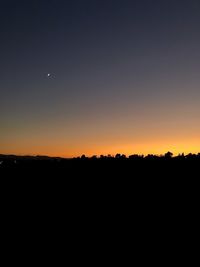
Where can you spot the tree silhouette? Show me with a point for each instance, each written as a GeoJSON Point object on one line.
{"type": "Point", "coordinates": [168, 155]}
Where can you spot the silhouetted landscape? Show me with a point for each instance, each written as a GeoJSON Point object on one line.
{"type": "Point", "coordinates": [82, 82]}
{"type": "Point", "coordinates": [119, 164]}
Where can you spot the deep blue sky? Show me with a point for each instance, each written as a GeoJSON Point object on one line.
{"type": "Point", "coordinates": [124, 74]}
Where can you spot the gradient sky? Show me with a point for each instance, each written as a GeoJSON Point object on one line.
{"type": "Point", "coordinates": [125, 77]}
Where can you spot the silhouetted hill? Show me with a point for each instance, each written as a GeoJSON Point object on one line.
{"type": "Point", "coordinates": [135, 189]}
{"type": "Point", "coordinates": [105, 166]}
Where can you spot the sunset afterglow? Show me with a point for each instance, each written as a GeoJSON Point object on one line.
{"type": "Point", "coordinates": [99, 77]}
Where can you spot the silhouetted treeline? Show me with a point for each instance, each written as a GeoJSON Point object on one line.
{"type": "Point", "coordinates": [117, 174]}
{"type": "Point", "coordinates": [42, 161]}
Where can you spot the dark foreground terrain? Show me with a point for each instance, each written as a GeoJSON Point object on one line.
{"type": "Point", "coordinates": [136, 195]}
{"type": "Point", "coordinates": [105, 167]}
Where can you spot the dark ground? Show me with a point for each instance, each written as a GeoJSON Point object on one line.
{"type": "Point", "coordinates": [134, 167]}
{"type": "Point", "coordinates": [139, 200]}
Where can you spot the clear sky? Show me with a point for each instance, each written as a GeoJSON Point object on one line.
{"type": "Point", "coordinates": [124, 76]}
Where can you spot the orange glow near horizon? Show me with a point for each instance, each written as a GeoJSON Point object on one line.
{"type": "Point", "coordinates": [142, 132]}
{"type": "Point", "coordinates": [99, 78]}
{"type": "Point", "coordinates": [142, 148]}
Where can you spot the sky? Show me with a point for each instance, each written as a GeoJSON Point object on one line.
{"type": "Point", "coordinates": [99, 77]}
